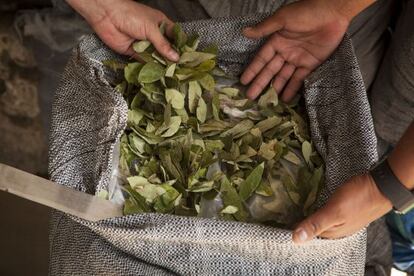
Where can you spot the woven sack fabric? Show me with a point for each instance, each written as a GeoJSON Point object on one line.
{"type": "Point", "coordinates": [88, 119]}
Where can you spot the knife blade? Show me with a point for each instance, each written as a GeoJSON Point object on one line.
{"type": "Point", "coordinates": [56, 196]}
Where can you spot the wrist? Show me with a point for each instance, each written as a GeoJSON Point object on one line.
{"type": "Point", "coordinates": [377, 196]}
{"type": "Point", "coordinates": [82, 6]}
{"type": "Point", "coordinates": [403, 169]}
{"type": "Point", "coordinates": [348, 9]}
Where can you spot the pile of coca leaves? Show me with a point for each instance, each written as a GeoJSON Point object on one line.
{"type": "Point", "coordinates": [196, 146]}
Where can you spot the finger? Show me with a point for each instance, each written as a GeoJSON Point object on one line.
{"type": "Point", "coordinates": [161, 44]}
{"type": "Point", "coordinates": [266, 53]}
{"type": "Point", "coordinates": [270, 25]}
{"type": "Point", "coordinates": [132, 54]}
{"type": "Point", "coordinates": [283, 76]}
{"type": "Point", "coordinates": [315, 225]}
{"type": "Point", "coordinates": [294, 84]}
{"type": "Point", "coordinates": [169, 27]}
{"type": "Point", "coordinates": [265, 77]}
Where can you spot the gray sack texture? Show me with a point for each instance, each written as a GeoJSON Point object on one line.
{"type": "Point", "coordinates": [89, 116]}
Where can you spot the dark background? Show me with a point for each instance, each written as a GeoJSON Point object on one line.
{"type": "Point", "coordinates": [23, 225]}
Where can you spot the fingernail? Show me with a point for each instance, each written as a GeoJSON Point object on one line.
{"type": "Point", "coordinates": [301, 235]}
{"type": "Point", "coordinates": [173, 55]}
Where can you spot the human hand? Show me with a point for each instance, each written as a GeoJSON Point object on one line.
{"type": "Point", "coordinates": [303, 35]}
{"type": "Point", "coordinates": [353, 206]}
{"type": "Point", "coordinates": [121, 22]}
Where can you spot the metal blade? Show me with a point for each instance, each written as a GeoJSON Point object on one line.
{"type": "Point", "coordinates": [56, 196]}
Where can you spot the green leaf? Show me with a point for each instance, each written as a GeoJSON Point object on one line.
{"type": "Point", "coordinates": [267, 150]}
{"type": "Point", "coordinates": [291, 188]}
{"type": "Point", "coordinates": [114, 64]}
{"type": "Point", "coordinates": [131, 207]}
{"type": "Point", "coordinates": [134, 117]}
{"type": "Point", "coordinates": [131, 72]}
{"type": "Point", "coordinates": [135, 203]}
{"type": "Point", "coordinates": [206, 66]}
{"type": "Point", "coordinates": [215, 106]}
{"type": "Point", "coordinates": [159, 58]}
{"type": "Point", "coordinates": [183, 114]}
{"type": "Point", "coordinates": [151, 72]}
{"type": "Point", "coordinates": [269, 98]}
{"type": "Point", "coordinates": [230, 91]}
{"type": "Point", "coordinates": [201, 110]}
{"type": "Point", "coordinates": [180, 37]}
{"type": "Point", "coordinates": [268, 123]}
{"type": "Point", "coordinates": [310, 200]}
{"type": "Point", "coordinates": [207, 82]}
{"type": "Point", "coordinates": [173, 168]}
{"type": "Point", "coordinates": [193, 59]}
{"type": "Point", "coordinates": [173, 127]}
{"type": "Point", "coordinates": [213, 145]}
{"type": "Point", "coordinates": [136, 143]}
{"type": "Point", "coordinates": [194, 94]}
{"type": "Point", "coordinates": [252, 182]}
{"type": "Point", "coordinates": [103, 194]}
{"type": "Point", "coordinates": [174, 97]}
{"type": "Point", "coordinates": [167, 114]}
{"type": "Point", "coordinates": [264, 189]}
{"type": "Point", "coordinates": [144, 188]}
{"type": "Point", "coordinates": [212, 49]}
{"type": "Point", "coordinates": [292, 157]}
{"type": "Point", "coordinates": [306, 151]}
{"type": "Point", "coordinates": [166, 202]}
{"type": "Point", "coordinates": [141, 46]}
{"type": "Point", "coordinates": [146, 57]}
{"type": "Point", "coordinates": [162, 28]}
{"type": "Point", "coordinates": [231, 198]}
{"type": "Point", "coordinates": [148, 137]}
{"type": "Point", "coordinates": [193, 42]}
{"type": "Point", "coordinates": [201, 187]}
{"type": "Point", "coordinates": [239, 130]}
{"type": "Point", "coordinates": [170, 70]}
{"type": "Point", "coordinates": [231, 210]}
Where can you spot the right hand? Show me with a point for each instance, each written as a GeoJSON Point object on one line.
{"type": "Point", "coordinates": [119, 23]}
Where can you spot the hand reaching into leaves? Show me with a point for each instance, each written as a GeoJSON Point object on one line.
{"type": "Point", "coordinates": [359, 201]}
{"type": "Point", "coordinates": [119, 23]}
{"type": "Point", "coordinates": [302, 36]}
{"type": "Point", "coordinates": [353, 206]}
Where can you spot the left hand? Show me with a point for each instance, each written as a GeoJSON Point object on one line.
{"type": "Point", "coordinates": [353, 206]}
{"type": "Point", "coordinates": [302, 35]}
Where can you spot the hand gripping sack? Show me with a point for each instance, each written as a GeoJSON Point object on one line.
{"type": "Point", "coordinates": [88, 119]}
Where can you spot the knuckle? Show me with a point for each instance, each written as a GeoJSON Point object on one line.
{"type": "Point", "coordinates": [247, 76]}
{"type": "Point", "coordinates": [257, 86]}
{"type": "Point", "coordinates": [315, 226]}
{"type": "Point", "coordinates": [261, 60]}
{"type": "Point", "coordinates": [164, 47]}
{"type": "Point", "coordinates": [267, 71]}
{"type": "Point", "coordinates": [160, 15]}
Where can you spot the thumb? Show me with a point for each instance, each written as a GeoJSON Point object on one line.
{"type": "Point", "coordinates": [270, 25]}
{"type": "Point", "coordinates": [314, 225]}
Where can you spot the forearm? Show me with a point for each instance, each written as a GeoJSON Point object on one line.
{"type": "Point", "coordinates": [401, 159]}
{"type": "Point", "coordinates": [349, 8]}
{"type": "Point", "coordinates": [78, 5]}
{"type": "Point", "coordinates": [88, 9]}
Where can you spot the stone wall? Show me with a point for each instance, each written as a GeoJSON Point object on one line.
{"type": "Point", "coordinates": [24, 225]}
